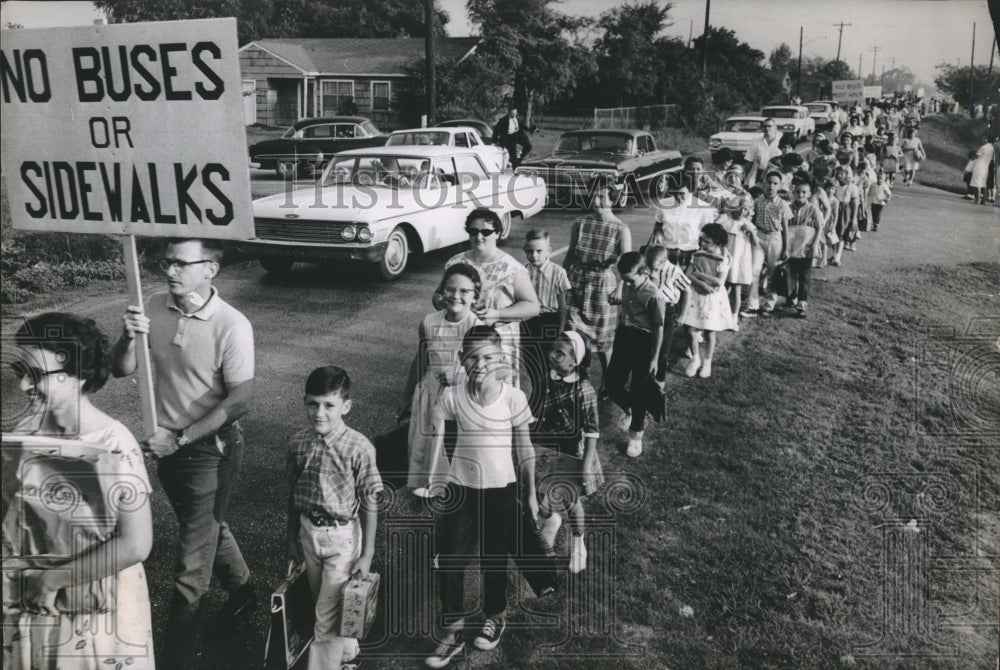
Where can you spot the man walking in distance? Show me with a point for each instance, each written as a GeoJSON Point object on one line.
{"type": "Point", "coordinates": [509, 133]}
{"type": "Point", "coordinates": [202, 349]}
{"type": "Point", "coordinates": [761, 151]}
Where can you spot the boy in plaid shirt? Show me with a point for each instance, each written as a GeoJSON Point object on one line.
{"type": "Point", "coordinates": [332, 509]}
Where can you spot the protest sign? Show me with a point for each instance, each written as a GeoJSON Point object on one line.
{"type": "Point", "coordinates": [873, 92]}
{"type": "Point", "coordinates": [848, 92]}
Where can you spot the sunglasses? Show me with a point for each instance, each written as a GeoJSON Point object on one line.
{"type": "Point", "coordinates": [22, 370]}
{"type": "Point", "coordinates": [485, 232]}
{"type": "Point", "coordinates": [167, 263]}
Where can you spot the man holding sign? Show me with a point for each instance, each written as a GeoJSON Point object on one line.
{"type": "Point", "coordinates": [202, 349]}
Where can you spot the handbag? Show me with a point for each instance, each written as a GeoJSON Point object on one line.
{"type": "Point", "coordinates": [779, 280]}
{"type": "Point", "coordinates": [293, 615]}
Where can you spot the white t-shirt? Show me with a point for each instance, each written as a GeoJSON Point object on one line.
{"type": "Point", "coordinates": [483, 457]}
{"type": "Point", "coordinates": [511, 126]}
{"type": "Point", "coordinates": [679, 221]}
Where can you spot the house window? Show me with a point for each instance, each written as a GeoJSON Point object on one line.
{"type": "Point", "coordinates": [381, 92]}
{"type": "Point", "coordinates": [338, 97]}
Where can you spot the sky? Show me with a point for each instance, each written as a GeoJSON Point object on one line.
{"type": "Point", "coordinates": [919, 34]}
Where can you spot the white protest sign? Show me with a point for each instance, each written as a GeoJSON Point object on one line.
{"type": "Point", "coordinates": [132, 129]}
{"type": "Point", "coordinates": [920, 92]}
{"type": "Point", "coordinates": [847, 92]}
{"type": "Point", "coordinates": [872, 92]}
{"type": "Point", "coordinates": [908, 87]}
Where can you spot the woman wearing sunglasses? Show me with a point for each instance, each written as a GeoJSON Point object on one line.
{"type": "Point", "coordinates": [507, 297]}
{"type": "Point", "coordinates": [93, 610]}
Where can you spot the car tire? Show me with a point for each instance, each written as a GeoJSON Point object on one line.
{"type": "Point", "coordinates": [276, 266]}
{"type": "Point", "coordinates": [286, 169]}
{"type": "Point", "coordinates": [621, 198]}
{"type": "Point", "coordinates": [661, 185]}
{"type": "Point", "coordinates": [396, 256]}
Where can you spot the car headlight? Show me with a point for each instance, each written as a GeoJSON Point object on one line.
{"type": "Point", "coordinates": [364, 234]}
{"type": "Point", "coordinates": [788, 126]}
{"type": "Point", "coordinates": [348, 233]}
{"type": "Point", "coordinates": [715, 141]}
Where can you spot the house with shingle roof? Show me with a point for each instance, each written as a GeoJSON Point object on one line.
{"type": "Point", "coordinates": [285, 80]}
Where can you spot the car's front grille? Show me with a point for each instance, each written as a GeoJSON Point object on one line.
{"type": "Point", "coordinates": [296, 230]}
{"type": "Point", "coordinates": [566, 176]}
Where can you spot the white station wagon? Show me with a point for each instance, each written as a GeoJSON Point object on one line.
{"type": "Point", "coordinates": [379, 205]}
{"type": "Point", "coordinates": [793, 120]}
{"type": "Point", "coordinates": [494, 157]}
{"type": "Point", "coordinates": [737, 134]}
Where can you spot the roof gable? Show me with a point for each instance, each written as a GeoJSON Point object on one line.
{"type": "Point", "coordinates": [360, 56]}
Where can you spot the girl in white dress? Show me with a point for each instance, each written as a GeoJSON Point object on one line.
{"type": "Point", "coordinates": [706, 307]}
{"type": "Point", "coordinates": [436, 367]}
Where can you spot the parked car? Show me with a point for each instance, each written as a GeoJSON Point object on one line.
{"type": "Point", "coordinates": [307, 146]}
{"type": "Point", "coordinates": [380, 205]}
{"type": "Point", "coordinates": [793, 120]}
{"type": "Point", "coordinates": [737, 134]}
{"type": "Point", "coordinates": [822, 114]}
{"type": "Point", "coordinates": [494, 157]}
{"type": "Point", "coordinates": [485, 129]}
{"type": "Point", "coordinates": [629, 156]}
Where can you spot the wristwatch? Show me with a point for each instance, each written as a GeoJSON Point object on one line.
{"type": "Point", "coordinates": [182, 439]}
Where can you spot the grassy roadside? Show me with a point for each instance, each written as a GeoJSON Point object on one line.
{"type": "Point", "coordinates": [947, 141]}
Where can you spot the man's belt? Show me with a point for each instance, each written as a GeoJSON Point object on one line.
{"type": "Point", "coordinates": [320, 518]}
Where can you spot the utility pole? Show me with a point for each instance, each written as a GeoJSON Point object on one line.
{"type": "Point", "coordinates": [429, 77]}
{"type": "Point", "coordinates": [704, 42]}
{"type": "Point", "coordinates": [972, 72]}
{"type": "Point", "coordinates": [874, 51]}
{"type": "Point", "coordinates": [859, 65]}
{"type": "Point", "coordinates": [690, 32]}
{"type": "Point", "coordinates": [841, 36]}
{"type": "Point", "coordinates": [989, 75]}
{"type": "Point", "coordinates": [798, 76]}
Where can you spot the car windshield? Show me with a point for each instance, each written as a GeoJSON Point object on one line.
{"type": "Point", "coordinates": [743, 126]}
{"type": "Point", "coordinates": [289, 134]}
{"type": "Point", "coordinates": [382, 170]}
{"type": "Point", "coordinates": [419, 138]}
{"type": "Point", "coordinates": [601, 143]}
{"type": "Point", "coordinates": [817, 108]}
{"type": "Point", "coordinates": [370, 128]}
{"type": "Point", "coordinates": [779, 113]}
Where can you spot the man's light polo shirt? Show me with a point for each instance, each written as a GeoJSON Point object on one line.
{"type": "Point", "coordinates": [196, 356]}
{"type": "Point", "coordinates": [679, 222]}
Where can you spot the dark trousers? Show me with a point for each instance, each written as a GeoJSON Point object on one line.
{"type": "Point", "coordinates": [489, 518]}
{"type": "Point", "coordinates": [537, 334]}
{"type": "Point", "coordinates": [511, 142]}
{"type": "Point", "coordinates": [198, 480]}
{"type": "Point", "coordinates": [876, 215]}
{"type": "Point", "coordinates": [663, 361]}
{"type": "Point", "coordinates": [799, 270]}
{"type": "Point", "coordinates": [630, 357]}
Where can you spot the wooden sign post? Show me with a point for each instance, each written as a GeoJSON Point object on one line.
{"type": "Point", "coordinates": [126, 129]}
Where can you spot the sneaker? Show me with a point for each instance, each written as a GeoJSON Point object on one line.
{"type": "Point", "coordinates": [706, 369]}
{"type": "Point", "coordinates": [625, 422]}
{"type": "Point", "coordinates": [578, 555]}
{"type": "Point", "coordinates": [748, 314]}
{"type": "Point", "coordinates": [550, 527]}
{"type": "Point", "coordinates": [445, 652]}
{"type": "Point", "coordinates": [422, 492]}
{"type": "Point", "coordinates": [634, 448]}
{"type": "Point", "coordinates": [835, 262]}
{"type": "Point", "coordinates": [692, 367]}
{"type": "Point", "coordinates": [489, 635]}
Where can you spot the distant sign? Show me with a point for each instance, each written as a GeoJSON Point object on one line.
{"type": "Point", "coordinates": [872, 92]}
{"type": "Point", "coordinates": [908, 87]}
{"type": "Point", "coordinates": [920, 92]}
{"type": "Point", "coordinates": [849, 91]}
{"type": "Point", "coordinates": [130, 129]}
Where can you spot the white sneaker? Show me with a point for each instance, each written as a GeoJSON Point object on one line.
{"type": "Point", "coordinates": [422, 492]}
{"type": "Point", "coordinates": [634, 448]}
{"type": "Point", "coordinates": [692, 367]}
{"type": "Point", "coordinates": [578, 555]}
{"type": "Point", "coordinates": [706, 369]}
{"type": "Point", "coordinates": [550, 527]}
{"type": "Point", "coordinates": [625, 422]}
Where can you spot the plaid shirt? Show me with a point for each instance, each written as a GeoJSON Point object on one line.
{"type": "Point", "coordinates": [599, 240]}
{"type": "Point", "coordinates": [769, 214]}
{"type": "Point", "coordinates": [549, 281]}
{"type": "Point", "coordinates": [332, 474]}
{"type": "Point", "coordinates": [570, 411]}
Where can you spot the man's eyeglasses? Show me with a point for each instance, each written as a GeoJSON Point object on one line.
{"type": "Point", "coordinates": [485, 232]}
{"type": "Point", "coordinates": [22, 370]}
{"type": "Point", "coordinates": [167, 263]}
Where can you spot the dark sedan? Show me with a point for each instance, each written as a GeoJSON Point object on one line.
{"type": "Point", "coordinates": [630, 157]}
{"type": "Point", "coordinates": [307, 147]}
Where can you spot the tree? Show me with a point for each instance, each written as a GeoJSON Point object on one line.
{"type": "Point", "coordinates": [469, 88]}
{"type": "Point", "coordinates": [737, 80]}
{"type": "Point", "coordinates": [781, 60]}
{"type": "Point", "coordinates": [539, 48]}
{"type": "Point", "coordinates": [955, 81]}
{"type": "Point", "coordinates": [288, 18]}
{"type": "Point", "coordinates": [626, 52]}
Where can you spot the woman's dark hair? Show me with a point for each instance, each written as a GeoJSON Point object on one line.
{"type": "Point", "coordinates": [485, 214]}
{"type": "Point", "coordinates": [479, 335]}
{"type": "Point", "coordinates": [329, 379]}
{"type": "Point", "coordinates": [80, 346]}
{"type": "Point", "coordinates": [717, 233]}
{"type": "Point", "coordinates": [465, 270]}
